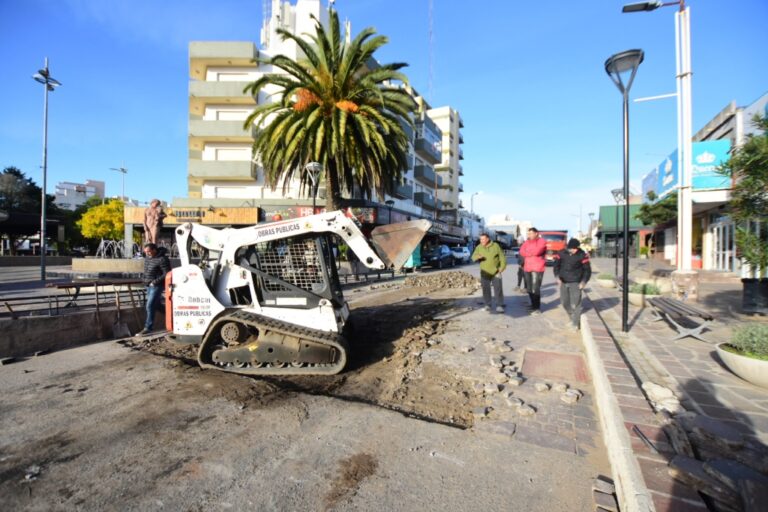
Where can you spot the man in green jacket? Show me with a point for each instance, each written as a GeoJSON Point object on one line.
{"type": "Point", "coordinates": [492, 264]}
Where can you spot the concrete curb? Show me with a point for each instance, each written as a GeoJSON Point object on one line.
{"type": "Point", "coordinates": [631, 491]}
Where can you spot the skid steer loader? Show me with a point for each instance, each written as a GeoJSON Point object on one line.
{"type": "Point", "coordinates": [266, 299]}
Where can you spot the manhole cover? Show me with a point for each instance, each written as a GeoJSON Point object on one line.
{"type": "Point", "coordinates": [555, 365]}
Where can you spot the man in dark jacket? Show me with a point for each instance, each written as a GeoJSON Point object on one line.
{"type": "Point", "coordinates": [156, 266]}
{"type": "Point", "coordinates": [572, 268]}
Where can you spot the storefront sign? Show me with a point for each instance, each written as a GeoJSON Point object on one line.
{"type": "Point", "coordinates": [707, 156]}
{"type": "Point", "coordinates": [215, 216]}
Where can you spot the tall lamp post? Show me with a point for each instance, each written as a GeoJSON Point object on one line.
{"type": "Point", "coordinates": [472, 201]}
{"type": "Point", "coordinates": [122, 170]}
{"type": "Point", "coordinates": [618, 196]}
{"type": "Point", "coordinates": [617, 65]}
{"type": "Point", "coordinates": [684, 272]}
{"type": "Point", "coordinates": [591, 216]}
{"type": "Point", "coordinates": [49, 84]}
{"type": "Point", "coordinates": [313, 171]}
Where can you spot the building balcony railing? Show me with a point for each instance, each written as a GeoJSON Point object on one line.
{"type": "Point", "coordinates": [461, 154]}
{"type": "Point", "coordinates": [425, 200]}
{"type": "Point", "coordinates": [222, 170]}
{"type": "Point", "coordinates": [220, 130]}
{"type": "Point", "coordinates": [461, 187]}
{"type": "Point", "coordinates": [427, 151]}
{"type": "Point", "coordinates": [461, 171]}
{"type": "Point", "coordinates": [219, 90]}
{"type": "Point", "coordinates": [425, 175]}
{"type": "Point", "coordinates": [403, 192]}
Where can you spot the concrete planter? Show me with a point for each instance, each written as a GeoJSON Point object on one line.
{"type": "Point", "coordinates": [606, 283]}
{"type": "Point", "coordinates": [754, 371]}
{"type": "Point", "coordinates": [638, 299]}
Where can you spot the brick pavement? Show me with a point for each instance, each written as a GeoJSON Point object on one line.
{"type": "Point", "coordinates": [689, 367]}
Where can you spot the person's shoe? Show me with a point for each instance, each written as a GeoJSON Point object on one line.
{"type": "Point", "coordinates": [499, 309]}
{"type": "Point", "coordinates": [535, 312]}
{"type": "Point", "coordinates": [142, 332]}
{"type": "Point", "coordinates": [573, 328]}
{"type": "Point", "coordinates": [486, 308]}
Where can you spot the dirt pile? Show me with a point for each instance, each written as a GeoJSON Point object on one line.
{"type": "Point", "coordinates": [455, 279]}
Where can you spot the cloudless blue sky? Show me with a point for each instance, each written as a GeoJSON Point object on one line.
{"type": "Point", "coordinates": [542, 119]}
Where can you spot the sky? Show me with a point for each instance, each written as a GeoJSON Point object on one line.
{"type": "Point", "coordinates": [543, 121]}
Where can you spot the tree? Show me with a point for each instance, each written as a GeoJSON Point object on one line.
{"type": "Point", "coordinates": [655, 212]}
{"type": "Point", "coordinates": [103, 221]}
{"type": "Point", "coordinates": [748, 168]}
{"type": "Point", "coordinates": [20, 198]}
{"type": "Point", "coordinates": [334, 108]}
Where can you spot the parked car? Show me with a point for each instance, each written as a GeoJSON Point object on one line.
{"type": "Point", "coordinates": [438, 257]}
{"type": "Point", "coordinates": [461, 254]}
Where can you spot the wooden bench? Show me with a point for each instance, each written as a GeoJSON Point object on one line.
{"type": "Point", "coordinates": [687, 320]}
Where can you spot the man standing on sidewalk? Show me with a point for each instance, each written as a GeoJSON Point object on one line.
{"type": "Point", "coordinates": [492, 264]}
{"type": "Point", "coordinates": [533, 251]}
{"type": "Point", "coordinates": [573, 269]}
{"type": "Point", "coordinates": [156, 266]}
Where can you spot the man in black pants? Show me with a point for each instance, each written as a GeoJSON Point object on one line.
{"type": "Point", "coordinates": [520, 272]}
{"type": "Point", "coordinates": [573, 269]}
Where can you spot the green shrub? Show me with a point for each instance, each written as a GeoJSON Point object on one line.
{"type": "Point", "coordinates": [645, 289]}
{"type": "Point", "coordinates": [751, 340]}
{"type": "Point", "coordinates": [605, 276]}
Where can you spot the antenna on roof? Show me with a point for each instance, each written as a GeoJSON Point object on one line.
{"type": "Point", "coordinates": [431, 51]}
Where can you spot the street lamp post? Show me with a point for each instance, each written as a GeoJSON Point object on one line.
{"type": "Point", "coordinates": [684, 278]}
{"type": "Point", "coordinates": [313, 171]}
{"type": "Point", "coordinates": [390, 203]}
{"type": "Point", "coordinates": [122, 170]}
{"type": "Point", "coordinates": [616, 65]}
{"type": "Point", "coordinates": [472, 201]}
{"type": "Point", "coordinates": [49, 84]}
{"type": "Point", "coordinates": [618, 196]}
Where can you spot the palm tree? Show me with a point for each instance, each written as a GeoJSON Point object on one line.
{"type": "Point", "coordinates": [334, 108]}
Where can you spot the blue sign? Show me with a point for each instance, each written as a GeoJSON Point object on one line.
{"type": "Point", "coordinates": [707, 157]}
{"type": "Point", "coordinates": [650, 181]}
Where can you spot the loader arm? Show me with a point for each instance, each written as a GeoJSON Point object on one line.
{"type": "Point", "coordinates": [392, 244]}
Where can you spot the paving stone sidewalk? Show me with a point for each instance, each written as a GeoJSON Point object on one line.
{"type": "Point", "coordinates": [490, 349]}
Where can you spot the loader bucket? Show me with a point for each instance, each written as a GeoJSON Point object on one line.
{"type": "Point", "coordinates": [394, 243]}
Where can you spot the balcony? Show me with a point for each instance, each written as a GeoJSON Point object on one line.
{"type": "Point", "coordinates": [205, 54]}
{"type": "Point", "coordinates": [461, 138]}
{"type": "Point", "coordinates": [222, 170]}
{"type": "Point", "coordinates": [225, 131]}
{"type": "Point", "coordinates": [427, 151]}
{"type": "Point", "coordinates": [220, 92]}
{"type": "Point", "coordinates": [461, 187]}
{"type": "Point", "coordinates": [461, 154]}
{"type": "Point", "coordinates": [403, 192]}
{"type": "Point", "coordinates": [461, 171]}
{"type": "Point", "coordinates": [407, 129]}
{"type": "Point", "coordinates": [425, 200]}
{"type": "Point", "coordinates": [425, 175]}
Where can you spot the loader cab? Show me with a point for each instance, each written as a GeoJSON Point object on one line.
{"type": "Point", "coordinates": [295, 272]}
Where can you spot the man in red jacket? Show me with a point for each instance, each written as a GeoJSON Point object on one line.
{"type": "Point", "coordinates": [533, 251]}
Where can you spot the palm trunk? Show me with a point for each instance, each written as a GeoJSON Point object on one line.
{"type": "Point", "coordinates": [332, 192]}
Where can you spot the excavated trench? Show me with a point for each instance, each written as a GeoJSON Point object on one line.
{"type": "Point", "coordinates": [393, 325]}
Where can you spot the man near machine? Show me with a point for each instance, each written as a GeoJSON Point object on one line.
{"type": "Point", "coordinates": [533, 251]}
{"type": "Point", "coordinates": [573, 270]}
{"type": "Point", "coordinates": [156, 266]}
{"type": "Point", "coordinates": [492, 264]}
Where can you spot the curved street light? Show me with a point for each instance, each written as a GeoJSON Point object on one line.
{"type": "Point", "coordinates": [618, 66]}
{"type": "Point", "coordinates": [44, 77]}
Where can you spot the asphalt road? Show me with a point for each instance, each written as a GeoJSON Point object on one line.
{"type": "Point", "coordinates": [104, 427]}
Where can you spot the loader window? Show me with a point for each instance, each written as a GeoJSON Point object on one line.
{"type": "Point", "coordinates": [287, 268]}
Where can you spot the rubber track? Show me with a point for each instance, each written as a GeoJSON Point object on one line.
{"type": "Point", "coordinates": [265, 324]}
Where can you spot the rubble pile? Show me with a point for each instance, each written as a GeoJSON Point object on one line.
{"type": "Point", "coordinates": [712, 457]}
{"type": "Point", "coordinates": [455, 279]}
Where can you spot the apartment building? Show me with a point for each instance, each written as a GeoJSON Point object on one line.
{"type": "Point", "coordinates": [70, 195]}
{"type": "Point", "coordinates": [449, 168]}
{"type": "Point", "coordinates": [222, 172]}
